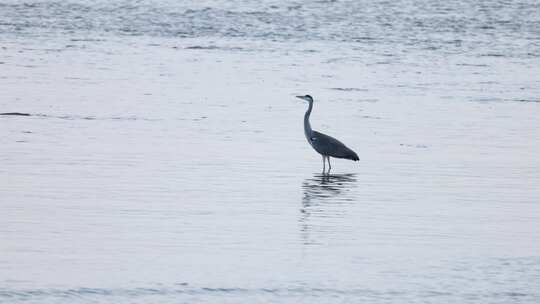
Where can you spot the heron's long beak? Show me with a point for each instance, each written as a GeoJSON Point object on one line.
{"type": "Point", "coordinates": [301, 97]}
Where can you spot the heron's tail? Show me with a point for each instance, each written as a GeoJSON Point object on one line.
{"type": "Point", "coordinates": [352, 155]}
{"type": "Point", "coordinates": [345, 153]}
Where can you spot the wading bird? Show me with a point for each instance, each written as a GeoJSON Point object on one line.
{"type": "Point", "coordinates": [325, 145]}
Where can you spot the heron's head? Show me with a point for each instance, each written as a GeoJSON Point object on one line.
{"type": "Point", "coordinates": [306, 97]}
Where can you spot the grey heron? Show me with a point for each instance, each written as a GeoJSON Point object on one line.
{"type": "Point", "coordinates": [325, 145]}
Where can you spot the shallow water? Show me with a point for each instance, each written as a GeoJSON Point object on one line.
{"type": "Point", "coordinates": [164, 159]}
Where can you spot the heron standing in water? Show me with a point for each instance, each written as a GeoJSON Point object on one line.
{"type": "Point", "coordinates": [325, 145]}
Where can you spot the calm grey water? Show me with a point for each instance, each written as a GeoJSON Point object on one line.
{"type": "Point", "coordinates": [164, 159]}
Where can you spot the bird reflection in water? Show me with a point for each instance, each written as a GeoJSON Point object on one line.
{"type": "Point", "coordinates": [325, 198]}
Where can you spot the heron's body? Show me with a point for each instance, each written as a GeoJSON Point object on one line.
{"type": "Point", "coordinates": [325, 145]}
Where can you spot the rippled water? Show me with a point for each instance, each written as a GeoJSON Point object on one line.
{"type": "Point", "coordinates": [163, 159]}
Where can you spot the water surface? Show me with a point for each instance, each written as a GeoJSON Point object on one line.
{"type": "Point", "coordinates": [164, 159]}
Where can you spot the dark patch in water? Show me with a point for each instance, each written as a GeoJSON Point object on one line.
{"type": "Point", "coordinates": [77, 117]}
{"type": "Point", "coordinates": [488, 99]}
{"type": "Point", "coordinates": [145, 291]}
{"type": "Point", "coordinates": [414, 146]}
{"type": "Point", "coordinates": [512, 294]}
{"type": "Point", "coordinates": [366, 38]}
{"type": "Point", "coordinates": [200, 47]}
{"type": "Point", "coordinates": [527, 100]}
{"type": "Point", "coordinates": [15, 114]}
{"type": "Point", "coordinates": [318, 186]}
{"type": "Point", "coordinates": [492, 55]}
{"type": "Point", "coordinates": [486, 27]}
{"type": "Point", "coordinates": [213, 47]}
{"type": "Point", "coordinates": [472, 65]}
{"type": "Point", "coordinates": [349, 89]}
{"type": "Point", "coordinates": [86, 40]}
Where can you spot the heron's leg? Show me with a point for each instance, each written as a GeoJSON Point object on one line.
{"type": "Point", "coordinates": [329, 166]}
{"type": "Point", "coordinates": [323, 164]}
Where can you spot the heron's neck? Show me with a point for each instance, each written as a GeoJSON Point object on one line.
{"type": "Point", "coordinates": [307, 125]}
